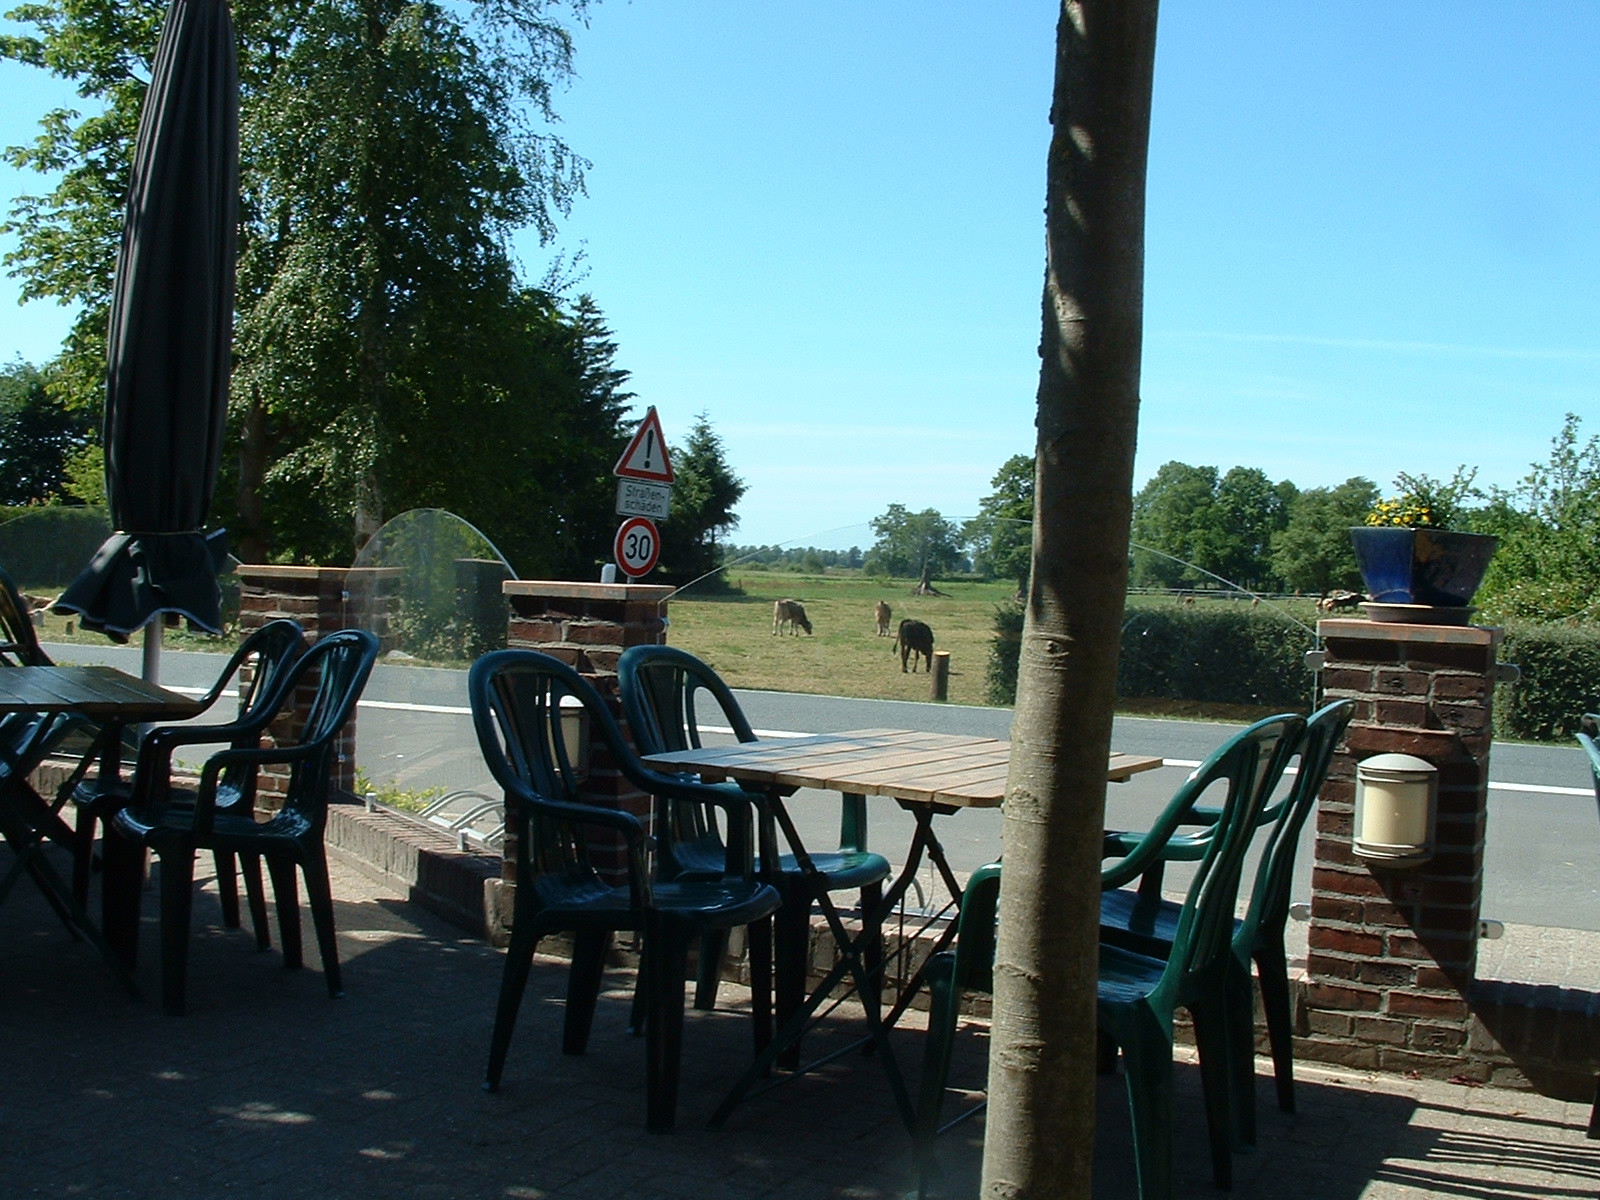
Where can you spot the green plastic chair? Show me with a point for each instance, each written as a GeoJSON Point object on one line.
{"type": "Point", "coordinates": [1138, 921]}
{"type": "Point", "coordinates": [175, 825]}
{"type": "Point", "coordinates": [666, 694]}
{"type": "Point", "coordinates": [516, 709]}
{"type": "Point", "coordinates": [950, 975]}
{"type": "Point", "coordinates": [1139, 994]}
{"type": "Point", "coordinates": [258, 666]}
{"type": "Point", "coordinates": [1589, 739]}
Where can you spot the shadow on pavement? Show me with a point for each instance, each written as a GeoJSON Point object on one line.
{"type": "Point", "coordinates": [268, 1089]}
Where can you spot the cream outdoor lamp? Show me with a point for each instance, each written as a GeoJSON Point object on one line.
{"type": "Point", "coordinates": [1397, 799]}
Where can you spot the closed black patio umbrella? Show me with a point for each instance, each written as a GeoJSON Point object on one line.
{"type": "Point", "coordinates": [171, 336]}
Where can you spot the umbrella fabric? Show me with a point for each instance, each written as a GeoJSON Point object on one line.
{"type": "Point", "coordinates": [171, 336]}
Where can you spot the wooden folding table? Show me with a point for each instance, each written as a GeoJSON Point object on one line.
{"type": "Point", "coordinates": [929, 775]}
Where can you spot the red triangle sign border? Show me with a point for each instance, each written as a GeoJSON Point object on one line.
{"type": "Point", "coordinates": [646, 455]}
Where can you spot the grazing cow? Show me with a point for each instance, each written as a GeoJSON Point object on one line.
{"type": "Point", "coordinates": [791, 613]}
{"type": "Point", "coordinates": [881, 612]}
{"type": "Point", "coordinates": [913, 639]}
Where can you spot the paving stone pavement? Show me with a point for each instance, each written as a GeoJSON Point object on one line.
{"type": "Point", "coordinates": [267, 1089]}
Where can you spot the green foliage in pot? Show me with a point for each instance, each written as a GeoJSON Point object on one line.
{"type": "Point", "coordinates": [1424, 502]}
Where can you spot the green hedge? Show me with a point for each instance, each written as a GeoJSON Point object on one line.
{"type": "Point", "coordinates": [1233, 656]}
{"type": "Point", "coordinates": [45, 546]}
{"type": "Point", "coordinates": [1560, 681]}
{"type": "Point", "coordinates": [1228, 655]}
{"type": "Point", "coordinates": [1004, 653]}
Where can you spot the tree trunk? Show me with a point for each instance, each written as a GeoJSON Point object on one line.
{"type": "Point", "coordinates": [1040, 1137]}
{"type": "Point", "coordinates": [254, 455]}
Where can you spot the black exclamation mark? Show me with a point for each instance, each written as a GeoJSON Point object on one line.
{"type": "Point", "coordinates": [649, 445]}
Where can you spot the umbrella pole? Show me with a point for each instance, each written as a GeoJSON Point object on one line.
{"type": "Point", "coordinates": [151, 666]}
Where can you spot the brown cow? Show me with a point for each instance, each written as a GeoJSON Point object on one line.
{"type": "Point", "coordinates": [881, 613]}
{"type": "Point", "coordinates": [913, 639]}
{"type": "Point", "coordinates": [791, 613]}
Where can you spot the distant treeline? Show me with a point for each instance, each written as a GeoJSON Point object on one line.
{"type": "Point", "coordinates": [798, 558]}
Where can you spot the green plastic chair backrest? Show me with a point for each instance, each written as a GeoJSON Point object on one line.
{"type": "Point", "coordinates": [663, 689]}
{"type": "Point", "coordinates": [342, 662]}
{"type": "Point", "coordinates": [665, 693]}
{"type": "Point", "coordinates": [1252, 765]}
{"type": "Point", "coordinates": [516, 703]}
{"type": "Point", "coordinates": [1249, 766]}
{"type": "Point", "coordinates": [270, 652]}
{"type": "Point", "coordinates": [516, 698]}
{"type": "Point", "coordinates": [1589, 739]}
{"type": "Point", "coordinates": [975, 931]}
{"type": "Point", "coordinates": [19, 644]}
{"type": "Point", "coordinates": [1269, 900]}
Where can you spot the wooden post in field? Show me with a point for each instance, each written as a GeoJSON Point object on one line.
{"type": "Point", "coordinates": [940, 673]}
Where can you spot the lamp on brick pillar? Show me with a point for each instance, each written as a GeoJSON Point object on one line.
{"type": "Point", "coordinates": [1392, 946]}
{"type": "Point", "coordinates": [1396, 804]}
{"type": "Point", "coordinates": [587, 626]}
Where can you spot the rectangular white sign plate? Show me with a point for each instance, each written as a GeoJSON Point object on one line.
{"type": "Point", "coordinates": [635, 498]}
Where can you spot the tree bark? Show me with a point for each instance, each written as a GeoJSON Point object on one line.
{"type": "Point", "coordinates": [1040, 1137]}
{"type": "Point", "coordinates": [254, 456]}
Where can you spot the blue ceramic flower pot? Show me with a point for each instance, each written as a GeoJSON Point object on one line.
{"type": "Point", "coordinates": [1435, 567]}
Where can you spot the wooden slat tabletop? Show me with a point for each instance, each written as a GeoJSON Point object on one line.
{"type": "Point", "coordinates": [103, 692]}
{"type": "Point", "coordinates": [930, 768]}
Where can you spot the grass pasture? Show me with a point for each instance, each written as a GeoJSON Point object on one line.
{"type": "Point", "coordinates": [844, 657]}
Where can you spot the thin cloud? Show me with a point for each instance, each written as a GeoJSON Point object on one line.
{"type": "Point", "coordinates": [1300, 339]}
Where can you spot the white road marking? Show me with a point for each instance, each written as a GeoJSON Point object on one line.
{"type": "Point", "coordinates": [456, 710]}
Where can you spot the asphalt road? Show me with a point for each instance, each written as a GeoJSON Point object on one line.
{"type": "Point", "coordinates": [1542, 864]}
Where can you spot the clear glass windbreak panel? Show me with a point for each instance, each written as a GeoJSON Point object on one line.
{"type": "Point", "coordinates": [428, 585]}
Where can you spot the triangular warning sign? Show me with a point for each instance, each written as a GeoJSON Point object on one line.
{"type": "Point", "coordinates": [646, 455]}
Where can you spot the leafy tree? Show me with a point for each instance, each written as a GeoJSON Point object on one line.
{"type": "Point", "coordinates": [1190, 526]}
{"type": "Point", "coordinates": [1173, 517]}
{"type": "Point", "coordinates": [913, 545]}
{"type": "Point", "coordinates": [1248, 510]}
{"type": "Point", "coordinates": [388, 150]}
{"type": "Point", "coordinates": [1001, 535]}
{"type": "Point", "coordinates": [1312, 553]}
{"type": "Point", "coordinates": [1040, 1136]}
{"type": "Point", "coordinates": [704, 493]}
{"type": "Point", "coordinates": [38, 435]}
{"type": "Point", "coordinates": [1547, 567]}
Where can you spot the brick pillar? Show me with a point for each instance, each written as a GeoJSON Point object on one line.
{"type": "Point", "coordinates": [587, 626]}
{"type": "Point", "coordinates": [1393, 950]}
{"type": "Point", "coordinates": [320, 598]}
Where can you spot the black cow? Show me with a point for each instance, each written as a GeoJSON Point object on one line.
{"type": "Point", "coordinates": [913, 639]}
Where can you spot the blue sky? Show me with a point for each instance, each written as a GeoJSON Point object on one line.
{"type": "Point", "coordinates": [1372, 238]}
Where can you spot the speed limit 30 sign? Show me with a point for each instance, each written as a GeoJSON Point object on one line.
{"type": "Point", "coordinates": [637, 547]}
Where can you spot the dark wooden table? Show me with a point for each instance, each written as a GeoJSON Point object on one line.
{"type": "Point", "coordinates": [928, 775]}
{"type": "Point", "coordinates": [109, 699]}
